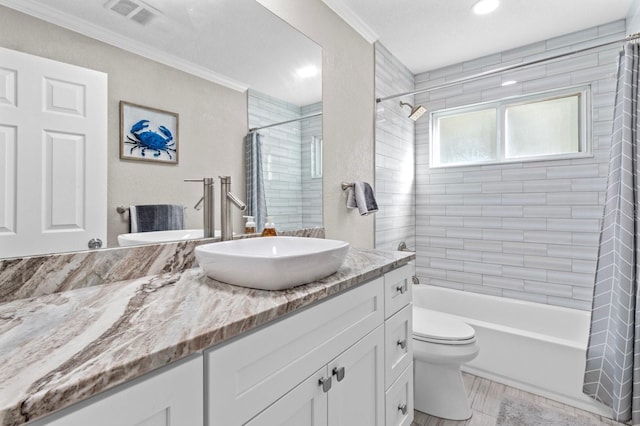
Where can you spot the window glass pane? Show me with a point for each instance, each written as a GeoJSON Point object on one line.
{"type": "Point", "coordinates": [467, 137]}
{"type": "Point", "coordinates": [543, 128]}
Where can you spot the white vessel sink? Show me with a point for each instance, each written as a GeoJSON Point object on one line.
{"type": "Point", "coordinates": [154, 237]}
{"type": "Point", "coordinates": [272, 263]}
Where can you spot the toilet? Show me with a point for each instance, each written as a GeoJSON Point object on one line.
{"type": "Point", "coordinates": [441, 344]}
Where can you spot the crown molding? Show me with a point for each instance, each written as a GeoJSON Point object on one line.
{"type": "Point", "coordinates": [83, 27]}
{"type": "Point", "coordinates": [349, 16]}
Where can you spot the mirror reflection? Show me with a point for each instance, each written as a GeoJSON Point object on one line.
{"type": "Point", "coordinates": [196, 59]}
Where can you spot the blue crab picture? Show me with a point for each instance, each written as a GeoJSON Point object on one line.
{"type": "Point", "coordinates": [146, 139]}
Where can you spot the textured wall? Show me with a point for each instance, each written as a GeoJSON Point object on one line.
{"type": "Point", "coordinates": [395, 188]}
{"type": "Point", "coordinates": [525, 230]}
{"type": "Point", "coordinates": [348, 111]}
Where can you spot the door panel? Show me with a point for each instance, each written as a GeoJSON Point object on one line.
{"type": "Point", "coordinates": [53, 149]}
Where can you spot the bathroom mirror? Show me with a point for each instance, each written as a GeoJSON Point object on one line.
{"type": "Point", "coordinates": [195, 58]}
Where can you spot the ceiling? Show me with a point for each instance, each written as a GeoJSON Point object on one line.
{"type": "Point", "coordinates": [238, 43]}
{"type": "Point", "coordinates": [430, 34]}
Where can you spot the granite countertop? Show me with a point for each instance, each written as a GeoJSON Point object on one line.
{"type": "Point", "coordinates": [61, 348]}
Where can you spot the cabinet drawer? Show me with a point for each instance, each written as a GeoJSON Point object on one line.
{"type": "Point", "coordinates": [397, 288]}
{"type": "Point", "coordinates": [398, 345]}
{"type": "Point", "coordinates": [249, 374]}
{"type": "Point", "coordinates": [399, 400]}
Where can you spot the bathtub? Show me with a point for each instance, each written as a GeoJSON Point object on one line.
{"type": "Point", "coordinates": [530, 346]}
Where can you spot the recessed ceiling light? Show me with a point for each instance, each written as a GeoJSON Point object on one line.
{"type": "Point", "coordinates": [307, 72]}
{"type": "Point", "coordinates": [509, 82]}
{"type": "Point", "coordinates": [483, 7]}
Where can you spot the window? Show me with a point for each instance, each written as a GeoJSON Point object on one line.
{"type": "Point", "coordinates": [544, 126]}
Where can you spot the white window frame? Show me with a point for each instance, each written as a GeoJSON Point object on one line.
{"type": "Point", "coordinates": [584, 126]}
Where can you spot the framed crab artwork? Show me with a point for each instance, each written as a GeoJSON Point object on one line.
{"type": "Point", "coordinates": [148, 134]}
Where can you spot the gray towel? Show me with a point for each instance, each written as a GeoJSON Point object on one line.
{"type": "Point", "coordinates": [156, 217]}
{"type": "Point", "coordinates": [361, 196]}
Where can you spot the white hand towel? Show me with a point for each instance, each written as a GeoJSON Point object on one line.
{"type": "Point", "coordinates": [361, 196]}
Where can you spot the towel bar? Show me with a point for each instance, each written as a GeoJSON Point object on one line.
{"type": "Point", "coordinates": [123, 209]}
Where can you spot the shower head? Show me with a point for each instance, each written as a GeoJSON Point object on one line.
{"type": "Point", "coordinates": [416, 111]}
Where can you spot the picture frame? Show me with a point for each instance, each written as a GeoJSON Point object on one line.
{"type": "Point", "coordinates": [148, 134]}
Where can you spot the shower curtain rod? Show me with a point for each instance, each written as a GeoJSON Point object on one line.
{"type": "Point", "coordinates": [285, 122]}
{"type": "Point", "coordinates": [506, 68]}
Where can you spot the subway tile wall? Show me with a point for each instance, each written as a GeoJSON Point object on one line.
{"type": "Point", "coordinates": [291, 197]}
{"type": "Point", "coordinates": [394, 157]}
{"type": "Point", "coordinates": [524, 230]}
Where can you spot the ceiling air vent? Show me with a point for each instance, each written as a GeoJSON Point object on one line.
{"type": "Point", "coordinates": [135, 10]}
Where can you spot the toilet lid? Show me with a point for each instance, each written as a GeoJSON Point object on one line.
{"type": "Point", "coordinates": [433, 326]}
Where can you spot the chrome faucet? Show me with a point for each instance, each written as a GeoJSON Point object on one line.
{"type": "Point", "coordinates": [209, 224]}
{"type": "Point", "coordinates": [226, 195]}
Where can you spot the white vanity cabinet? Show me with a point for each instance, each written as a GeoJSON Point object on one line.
{"type": "Point", "coordinates": [345, 361]}
{"type": "Point", "coordinates": [170, 396]}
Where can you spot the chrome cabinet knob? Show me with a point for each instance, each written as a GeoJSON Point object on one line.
{"type": "Point", "coordinates": [403, 407]}
{"type": "Point", "coordinates": [325, 383]}
{"type": "Point", "coordinates": [339, 373]}
{"type": "Point", "coordinates": [402, 343]}
{"type": "Point", "coordinates": [402, 289]}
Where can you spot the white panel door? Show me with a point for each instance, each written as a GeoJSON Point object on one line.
{"type": "Point", "coordinates": [53, 155]}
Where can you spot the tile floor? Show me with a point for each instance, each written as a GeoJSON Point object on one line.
{"type": "Point", "coordinates": [486, 397]}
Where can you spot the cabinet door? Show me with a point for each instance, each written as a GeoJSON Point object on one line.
{"type": "Point", "coordinates": [305, 405]}
{"type": "Point", "coordinates": [173, 396]}
{"type": "Point", "coordinates": [357, 394]}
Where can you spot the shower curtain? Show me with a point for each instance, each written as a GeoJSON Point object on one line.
{"type": "Point", "coordinates": [612, 373]}
{"type": "Point", "coordinates": [256, 201]}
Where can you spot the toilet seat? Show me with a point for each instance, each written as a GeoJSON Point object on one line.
{"type": "Point", "coordinates": [438, 327]}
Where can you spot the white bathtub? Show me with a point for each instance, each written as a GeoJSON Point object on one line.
{"type": "Point", "coordinates": [530, 346]}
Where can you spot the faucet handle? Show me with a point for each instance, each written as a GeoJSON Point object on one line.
{"type": "Point", "coordinates": [206, 181]}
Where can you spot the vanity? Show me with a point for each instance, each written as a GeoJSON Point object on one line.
{"type": "Point", "coordinates": [183, 349]}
